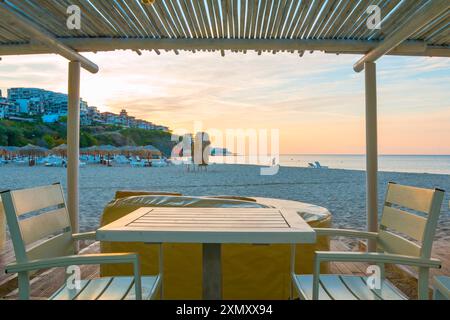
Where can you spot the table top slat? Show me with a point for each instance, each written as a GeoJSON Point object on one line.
{"type": "Point", "coordinates": [209, 225]}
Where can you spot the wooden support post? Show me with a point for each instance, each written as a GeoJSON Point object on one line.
{"type": "Point", "coordinates": [371, 151]}
{"type": "Point", "coordinates": [73, 143]}
{"type": "Point", "coordinates": [212, 271]}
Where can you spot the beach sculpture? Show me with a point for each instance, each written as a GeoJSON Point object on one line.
{"type": "Point", "coordinates": [197, 149]}
{"type": "Point", "coordinates": [200, 149]}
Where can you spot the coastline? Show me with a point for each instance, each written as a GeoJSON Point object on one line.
{"type": "Point", "coordinates": [339, 190]}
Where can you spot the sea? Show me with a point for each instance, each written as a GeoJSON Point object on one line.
{"type": "Point", "coordinates": [437, 164]}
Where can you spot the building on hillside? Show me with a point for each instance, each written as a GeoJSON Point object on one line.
{"type": "Point", "coordinates": [142, 124]}
{"type": "Point", "coordinates": [94, 115]}
{"type": "Point", "coordinates": [35, 101]}
{"type": "Point", "coordinates": [52, 105]}
{"type": "Point", "coordinates": [111, 118]}
{"type": "Point", "coordinates": [25, 93]}
{"type": "Point", "coordinates": [6, 108]}
{"type": "Point", "coordinates": [123, 118]}
{"type": "Point", "coordinates": [131, 122]}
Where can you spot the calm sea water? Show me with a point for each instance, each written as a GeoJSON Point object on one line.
{"type": "Point", "coordinates": [392, 163]}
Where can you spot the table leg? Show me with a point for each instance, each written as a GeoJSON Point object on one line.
{"type": "Point", "coordinates": [212, 271]}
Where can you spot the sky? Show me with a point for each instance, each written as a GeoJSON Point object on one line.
{"type": "Point", "coordinates": [316, 102]}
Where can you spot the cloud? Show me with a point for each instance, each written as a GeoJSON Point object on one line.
{"type": "Point", "coordinates": [284, 91]}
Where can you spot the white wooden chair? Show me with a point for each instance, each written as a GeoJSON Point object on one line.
{"type": "Point", "coordinates": [44, 240]}
{"type": "Point", "coordinates": [393, 248]}
{"type": "Point", "coordinates": [441, 288]}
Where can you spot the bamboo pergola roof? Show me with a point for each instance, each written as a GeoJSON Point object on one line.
{"type": "Point", "coordinates": [334, 26]}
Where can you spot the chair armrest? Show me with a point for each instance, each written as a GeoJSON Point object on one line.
{"type": "Point", "coordinates": [322, 256]}
{"type": "Point", "coordinates": [346, 233]}
{"type": "Point", "coordinates": [102, 258]}
{"type": "Point", "coordinates": [84, 236]}
{"type": "Point", "coordinates": [114, 258]}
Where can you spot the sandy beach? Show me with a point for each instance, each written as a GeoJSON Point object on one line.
{"type": "Point", "coordinates": [342, 192]}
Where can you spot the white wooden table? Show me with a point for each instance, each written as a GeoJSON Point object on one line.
{"type": "Point", "coordinates": [211, 227]}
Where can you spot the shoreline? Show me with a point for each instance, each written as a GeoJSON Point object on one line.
{"type": "Point", "coordinates": [358, 170]}
{"type": "Point", "coordinates": [237, 164]}
{"type": "Point", "coordinates": [341, 191]}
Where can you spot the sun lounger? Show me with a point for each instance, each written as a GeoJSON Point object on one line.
{"type": "Point", "coordinates": [319, 166]}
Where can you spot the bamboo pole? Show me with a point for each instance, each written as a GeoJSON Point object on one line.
{"type": "Point", "coordinates": [371, 151]}
{"type": "Point", "coordinates": [73, 144]}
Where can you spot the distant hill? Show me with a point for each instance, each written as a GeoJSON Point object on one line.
{"type": "Point", "coordinates": [13, 133]}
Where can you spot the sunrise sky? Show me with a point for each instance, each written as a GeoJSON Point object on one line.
{"type": "Point", "coordinates": [316, 102]}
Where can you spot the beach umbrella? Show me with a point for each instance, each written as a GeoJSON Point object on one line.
{"type": "Point", "coordinates": [8, 151]}
{"type": "Point", "coordinates": [32, 150]}
{"type": "Point", "coordinates": [150, 150]}
{"type": "Point", "coordinates": [89, 150]}
{"type": "Point", "coordinates": [128, 150]}
{"type": "Point", "coordinates": [107, 149]}
{"type": "Point", "coordinates": [60, 150]}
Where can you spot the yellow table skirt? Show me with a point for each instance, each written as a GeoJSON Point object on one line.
{"type": "Point", "coordinates": [249, 271]}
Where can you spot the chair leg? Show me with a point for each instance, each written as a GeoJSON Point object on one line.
{"type": "Point", "coordinates": [24, 286]}
{"type": "Point", "coordinates": [292, 271]}
{"type": "Point", "coordinates": [137, 280]}
{"type": "Point", "coordinates": [422, 283]}
{"type": "Point", "coordinates": [161, 273]}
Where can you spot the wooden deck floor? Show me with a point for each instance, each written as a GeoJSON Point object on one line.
{"type": "Point", "coordinates": [45, 283]}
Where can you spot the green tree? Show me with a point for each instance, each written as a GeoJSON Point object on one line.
{"type": "Point", "coordinates": [50, 141]}
{"type": "Point", "coordinates": [87, 140]}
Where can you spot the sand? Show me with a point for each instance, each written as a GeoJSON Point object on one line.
{"type": "Point", "coordinates": [341, 191]}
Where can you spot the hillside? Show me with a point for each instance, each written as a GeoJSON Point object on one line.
{"type": "Point", "coordinates": [19, 134]}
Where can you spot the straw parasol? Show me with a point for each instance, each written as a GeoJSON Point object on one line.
{"type": "Point", "coordinates": [60, 150]}
{"type": "Point", "coordinates": [32, 150]}
{"type": "Point", "coordinates": [149, 151]}
{"type": "Point", "coordinates": [107, 149]}
{"type": "Point", "coordinates": [8, 151]}
{"type": "Point", "coordinates": [130, 150]}
{"type": "Point", "coordinates": [89, 150]}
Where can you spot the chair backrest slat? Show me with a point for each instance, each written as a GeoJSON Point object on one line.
{"type": "Point", "coordinates": [29, 234]}
{"type": "Point", "coordinates": [408, 223]}
{"type": "Point", "coordinates": [395, 244]}
{"type": "Point", "coordinates": [414, 198]}
{"type": "Point", "coordinates": [34, 199]}
{"type": "Point", "coordinates": [404, 222]}
{"type": "Point", "coordinates": [58, 246]}
{"type": "Point", "coordinates": [43, 225]}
